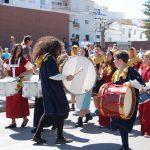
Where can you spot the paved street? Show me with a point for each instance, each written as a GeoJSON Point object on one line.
{"type": "Point", "coordinates": [89, 137]}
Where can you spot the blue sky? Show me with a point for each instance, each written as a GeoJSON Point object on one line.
{"type": "Point", "coordinates": [132, 8]}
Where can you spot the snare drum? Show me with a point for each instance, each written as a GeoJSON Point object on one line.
{"type": "Point", "coordinates": [85, 75]}
{"type": "Point", "coordinates": [117, 100]}
{"type": "Point", "coordinates": [32, 88]}
{"type": "Point", "coordinates": [8, 86]}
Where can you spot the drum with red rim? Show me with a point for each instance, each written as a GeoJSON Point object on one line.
{"type": "Point", "coordinates": [117, 100]}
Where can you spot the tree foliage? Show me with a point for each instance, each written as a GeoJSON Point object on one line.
{"type": "Point", "coordinates": [147, 21]}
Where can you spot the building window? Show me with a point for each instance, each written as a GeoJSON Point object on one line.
{"type": "Point", "coordinates": [6, 1]}
{"type": "Point", "coordinates": [87, 37]}
{"type": "Point", "coordinates": [140, 35]}
{"type": "Point", "coordinates": [72, 35]}
{"type": "Point", "coordinates": [86, 21]}
{"type": "Point", "coordinates": [65, 3]}
{"type": "Point", "coordinates": [78, 36]}
{"type": "Point", "coordinates": [129, 33]}
{"type": "Point", "coordinates": [98, 36]}
{"type": "Point", "coordinates": [76, 23]}
{"type": "Point", "coordinates": [56, 3]}
{"type": "Point", "coordinates": [98, 11]}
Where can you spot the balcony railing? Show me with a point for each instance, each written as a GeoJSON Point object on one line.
{"type": "Point", "coordinates": [60, 6]}
{"type": "Point", "coordinates": [76, 25]}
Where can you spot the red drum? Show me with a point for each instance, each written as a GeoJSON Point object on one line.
{"type": "Point", "coordinates": [117, 100]}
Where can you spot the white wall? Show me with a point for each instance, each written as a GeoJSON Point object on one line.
{"type": "Point", "coordinates": [120, 32]}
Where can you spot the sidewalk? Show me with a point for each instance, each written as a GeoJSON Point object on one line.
{"type": "Point", "coordinates": [88, 137]}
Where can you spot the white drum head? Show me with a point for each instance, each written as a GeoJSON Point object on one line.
{"type": "Point", "coordinates": [127, 102]}
{"type": "Point", "coordinates": [84, 80]}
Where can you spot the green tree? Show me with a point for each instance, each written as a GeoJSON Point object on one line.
{"type": "Point", "coordinates": [147, 21]}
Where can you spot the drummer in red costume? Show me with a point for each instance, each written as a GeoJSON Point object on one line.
{"type": "Point", "coordinates": [125, 75]}
{"type": "Point", "coordinates": [106, 72]}
{"type": "Point", "coordinates": [144, 107]}
{"type": "Point", "coordinates": [97, 59]}
{"type": "Point", "coordinates": [134, 60]}
{"type": "Point", "coordinates": [18, 106]}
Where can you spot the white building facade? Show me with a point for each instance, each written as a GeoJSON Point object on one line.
{"type": "Point", "coordinates": [124, 31]}
{"type": "Point", "coordinates": [88, 20]}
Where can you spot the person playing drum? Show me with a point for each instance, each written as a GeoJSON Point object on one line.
{"type": "Point", "coordinates": [125, 75]}
{"type": "Point", "coordinates": [17, 106]}
{"type": "Point", "coordinates": [106, 71]}
{"type": "Point", "coordinates": [45, 54]}
{"type": "Point", "coordinates": [144, 107]}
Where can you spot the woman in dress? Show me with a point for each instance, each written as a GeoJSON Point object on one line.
{"type": "Point", "coordinates": [144, 107]}
{"type": "Point", "coordinates": [16, 105]}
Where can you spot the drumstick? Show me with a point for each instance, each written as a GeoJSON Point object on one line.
{"type": "Point", "coordinates": [80, 69]}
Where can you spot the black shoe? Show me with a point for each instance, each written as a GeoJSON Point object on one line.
{"type": "Point", "coordinates": [33, 130]}
{"type": "Point", "coordinates": [11, 126]}
{"type": "Point", "coordinates": [122, 148]}
{"type": "Point", "coordinates": [54, 127]}
{"type": "Point", "coordinates": [63, 140]}
{"type": "Point", "coordinates": [88, 117]}
{"type": "Point", "coordinates": [24, 123]}
{"type": "Point", "coordinates": [79, 123]}
{"type": "Point", "coordinates": [38, 140]}
{"type": "Point", "coordinates": [72, 108]}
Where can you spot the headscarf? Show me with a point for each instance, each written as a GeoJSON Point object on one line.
{"type": "Point", "coordinates": [147, 53]}
{"type": "Point", "coordinates": [135, 60]}
{"type": "Point", "coordinates": [74, 50]}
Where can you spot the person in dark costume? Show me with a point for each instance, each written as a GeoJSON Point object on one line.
{"type": "Point", "coordinates": [38, 112]}
{"type": "Point", "coordinates": [125, 75]}
{"type": "Point", "coordinates": [56, 107]}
